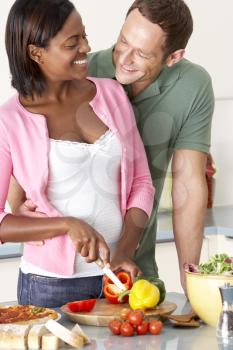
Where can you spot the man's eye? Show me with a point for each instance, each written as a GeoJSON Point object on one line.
{"type": "Point", "coordinates": [84, 35]}
{"type": "Point", "coordinates": [143, 55]}
{"type": "Point", "coordinates": [123, 41]}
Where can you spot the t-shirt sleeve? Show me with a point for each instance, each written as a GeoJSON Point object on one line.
{"type": "Point", "coordinates": [195, 133]}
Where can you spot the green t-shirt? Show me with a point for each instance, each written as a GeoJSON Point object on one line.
{"type": "Point", "coordinates": [174, 112]}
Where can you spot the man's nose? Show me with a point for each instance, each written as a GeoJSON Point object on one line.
{"type": "Point", "coordinates": [128, 57]}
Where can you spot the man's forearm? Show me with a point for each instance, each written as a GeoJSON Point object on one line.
{"type": "Point", "coordinates": [188, 224]}
{"type": "Point", "coordinates": [134, 224]}
{"type": "Point", "coordinates": [16, 196]}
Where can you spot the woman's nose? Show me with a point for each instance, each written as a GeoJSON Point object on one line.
{"type": "Point", "coordinates": [84, 47]}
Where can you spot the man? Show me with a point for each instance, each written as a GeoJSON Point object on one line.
{"type": "Point", "coordinates": [173, 103]}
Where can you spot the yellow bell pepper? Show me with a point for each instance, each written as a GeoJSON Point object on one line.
{"type": "Point", "coordinates": [143, 295]}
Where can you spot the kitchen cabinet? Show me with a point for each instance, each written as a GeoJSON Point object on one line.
{"type": "Point", "coordinates": [9, 277]}
{"type": "Point", "coordinates": [166, 258]}
{"type": "Point", "coordinates": [220, 243]}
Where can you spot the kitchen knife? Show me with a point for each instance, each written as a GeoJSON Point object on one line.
{"type": "Point", "coordinates": [108, 272]}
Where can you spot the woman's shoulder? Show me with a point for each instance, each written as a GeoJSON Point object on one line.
{"type": "Point", "coordinates": [109, 89]}
{"type": "Point", "coordinates": [107, 83]}
{"type": "Point", "coordinates": [8, 107]}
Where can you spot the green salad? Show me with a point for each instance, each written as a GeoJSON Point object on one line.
{"type": "Point", "coordinates": [218, 264]}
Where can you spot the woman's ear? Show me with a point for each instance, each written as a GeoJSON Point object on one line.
{"type": "Point", "coordinates": [175, 57]}
{"type": "Point", "coordinates": [35, 53]}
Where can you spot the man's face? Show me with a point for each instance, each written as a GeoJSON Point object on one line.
{"type": "Point", "coordinates": [138, 54]}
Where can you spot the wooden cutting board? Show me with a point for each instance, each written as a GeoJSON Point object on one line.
{"type": "Point", "coordinates": [104, 312]}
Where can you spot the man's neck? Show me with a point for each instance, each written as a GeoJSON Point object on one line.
{"type": "Point", "coordinates": [140, 86]}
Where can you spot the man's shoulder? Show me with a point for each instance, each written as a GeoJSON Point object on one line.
{"type": "Point", "coordinates": [100, 64]}
{"type": "Point", "coordinates": [191, 70]}
{"type": "Point", "coordinates": [97, 55]}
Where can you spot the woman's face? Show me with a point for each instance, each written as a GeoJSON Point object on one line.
{"type": "Point", "coordinates": [65, 58]}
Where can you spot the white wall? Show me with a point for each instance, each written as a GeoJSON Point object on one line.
{"type": "Point", "coordinates": [211, 42]}
{"type": "Point", "coordinates": [210, 46]}
{"type": "Point", "coordinates": [222, 148]}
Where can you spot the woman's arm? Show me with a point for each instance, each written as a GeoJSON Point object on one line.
{"type": "Point", "coordinates": [88, 241]}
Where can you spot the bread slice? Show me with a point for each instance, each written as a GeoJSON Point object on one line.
{"type": "Point", "coordinates": [13, 336]}
{"type": "Point", "coordinates": [50, 342]}
{"type": "Point", "coordinates": [35, 336]}
{"type": "Point", "coordinates": [69, 337]}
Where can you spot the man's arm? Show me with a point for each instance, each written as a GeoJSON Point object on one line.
{"type": "Point", "coordinates": [16, 196]}
{"type": "Point", "coordinates": [134, 223]}
{"type": "Point", "coordinates": [189, 196]}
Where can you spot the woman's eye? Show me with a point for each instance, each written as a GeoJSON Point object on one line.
{"type": "Point", "coordinates": [71, 46]}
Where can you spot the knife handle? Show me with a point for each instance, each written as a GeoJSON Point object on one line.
{"type": "Point", "coordinates": [100, 263]}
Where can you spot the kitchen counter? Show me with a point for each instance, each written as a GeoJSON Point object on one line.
{"type": "Point", "coordinates": [171, 338]}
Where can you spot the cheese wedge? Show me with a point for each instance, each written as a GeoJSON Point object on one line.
{"type": "Point", "coordinates": [69, 337]}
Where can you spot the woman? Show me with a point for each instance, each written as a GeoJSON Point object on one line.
{"type": "Point", "coordinates": [73, 146]}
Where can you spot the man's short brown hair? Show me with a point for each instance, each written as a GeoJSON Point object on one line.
{"type": "Point", "coordinates": [173, 16]}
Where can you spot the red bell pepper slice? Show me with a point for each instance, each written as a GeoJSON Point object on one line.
{"type": "Point", "coordinates": [112, 292]}
{"type": "Point", "coordinates": [81, 305]}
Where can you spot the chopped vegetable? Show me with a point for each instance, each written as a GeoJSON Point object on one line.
{"type": "Point", "coordinates": [218, 264]}
{"type": "Point", "coordinates": [37, 310]}
{"type": "Point", "coordinates": [112, 292]}
{"type": "Point", "coordinates": [81, 305]}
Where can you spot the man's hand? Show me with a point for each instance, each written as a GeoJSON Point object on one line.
{"type": "Point", "coordinates": [122, 262]}
{"type": "Point", "coordinates": [28, 208]}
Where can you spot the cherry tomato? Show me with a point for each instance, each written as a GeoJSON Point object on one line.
{"type": "Point", "coordinates": [124, 314]}
{"type": "Point", "coordinates": [135, 317]}
{"type": "Point", "coordinates": [142, 328]}
{"type": "Point", "coordinates": [81, 305]}
{"type": "Point", "coordinates": [155, 327]}
{"type": "Point", "coordinates": [115, 327]}
{"type": "Point", "coordinates": [127, 329]}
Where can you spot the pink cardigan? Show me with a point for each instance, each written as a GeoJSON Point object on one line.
{"type": "Point", "coordinates": [24, 149]}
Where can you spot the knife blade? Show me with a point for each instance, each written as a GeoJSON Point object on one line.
{"type": "Point", "coordinates": [108, 272]}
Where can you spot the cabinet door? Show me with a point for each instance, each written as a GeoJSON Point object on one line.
{"type": "Point", "coordinates": [221, 243]}
{"type": "Point", "coordinates": [9, 276]}
{"type": "Point", "coordinates": [166, 258]}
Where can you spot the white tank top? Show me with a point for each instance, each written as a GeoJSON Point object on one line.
{"type": "Point", "coordinates": [84, 183]}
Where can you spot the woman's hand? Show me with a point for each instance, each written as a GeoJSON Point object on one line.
{"type": "Point", "coordinates": [89, 243]}
{"type": "Point", "coordinates": [123, 262]}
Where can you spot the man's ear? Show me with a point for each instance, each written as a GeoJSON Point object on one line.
{"type": "Point", "coordinates": [35, 53]}
{"type": "Point", "coordinates": [175, 57]}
